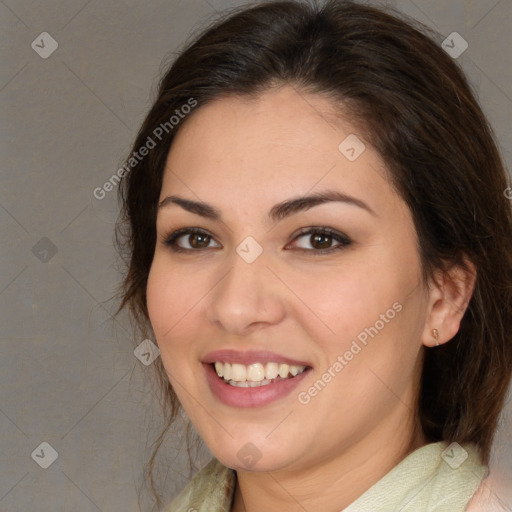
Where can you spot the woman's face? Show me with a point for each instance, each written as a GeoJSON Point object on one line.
{"type": "Point", "coordinates": [272, 278]}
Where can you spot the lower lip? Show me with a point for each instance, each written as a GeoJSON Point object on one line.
{"type": "Point", "coordinates": [250, 397]}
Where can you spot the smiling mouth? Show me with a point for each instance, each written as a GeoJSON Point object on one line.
{"type": "Point", "coordinates": [256, 374]}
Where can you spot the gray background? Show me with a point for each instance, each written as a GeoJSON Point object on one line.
{"type": "Point", "coordinates": [68, 375]}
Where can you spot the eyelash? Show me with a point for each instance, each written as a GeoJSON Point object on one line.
{"type": "Point", "coordinates": [342, 239]}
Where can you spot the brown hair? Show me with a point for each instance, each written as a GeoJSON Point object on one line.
{"type": "Point", "coordinates": [416, 108]}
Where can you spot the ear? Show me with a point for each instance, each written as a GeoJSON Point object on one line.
{"type": "Point", "coordinates": [449, 294]}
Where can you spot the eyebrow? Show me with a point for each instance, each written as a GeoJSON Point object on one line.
{"type": "Point", "coordinates": [277, 212]}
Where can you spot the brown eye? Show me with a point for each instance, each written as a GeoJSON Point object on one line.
{"type": "Point", "coordinates": [321, 240]}
{"type": "Point", "coordinates": [198, 240]}
{"type": "Point", "coordinates": [189, 239]}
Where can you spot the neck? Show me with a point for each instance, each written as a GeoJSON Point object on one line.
{"type": "Point", "coordinates": [331, 485]}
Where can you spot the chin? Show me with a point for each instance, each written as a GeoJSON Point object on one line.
{"type": "Point", "coordinates": [257, 456]}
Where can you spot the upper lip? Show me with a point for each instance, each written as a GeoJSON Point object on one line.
{"type": "Point", "coordinates": [249, 357]}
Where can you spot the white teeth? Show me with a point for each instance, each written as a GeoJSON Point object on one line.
{"type": "Point", "coordinates": [226, 371]}
{"type": "Point", "coordinates": [246, 384]}
{"type": "Point", "coordinates": [283, 370]}
{"type": "Point", "coordinates": [271, 370]}
{"type": "Point", "coordinates": [255, 374]}
{"type": "Point", "coordinates": [238, 372]}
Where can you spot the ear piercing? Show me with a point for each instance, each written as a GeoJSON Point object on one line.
{"type": "Point", "coordinates": [435, 334]}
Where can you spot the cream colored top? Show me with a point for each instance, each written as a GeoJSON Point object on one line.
{"type": "Point", "coordinates": [433, 478]}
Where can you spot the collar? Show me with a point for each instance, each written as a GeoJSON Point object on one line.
{"type": "Point", "coordinates": [434, 478]}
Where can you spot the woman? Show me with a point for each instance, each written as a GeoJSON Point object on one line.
{"type": "Point", "coordinates": [319, 239]}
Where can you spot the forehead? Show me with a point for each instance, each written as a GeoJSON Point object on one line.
{"type": "Point", "coordinates": [281, 143]}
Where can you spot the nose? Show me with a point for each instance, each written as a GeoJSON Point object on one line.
{"type": "Point", "coordinates": [248, 298]}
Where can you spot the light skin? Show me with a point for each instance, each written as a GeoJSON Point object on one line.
{"type": "Point", "coordinates": [243, 157]}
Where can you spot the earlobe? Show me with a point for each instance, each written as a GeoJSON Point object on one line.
{"type": "Point", "coordinates": [450, 292]}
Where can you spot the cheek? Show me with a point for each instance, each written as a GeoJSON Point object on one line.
{"type": "Point", "coordinates": [171, 296]}
{"type": "Point", "coordinates": [367, 312]}
{"type": "Point", "coordinates": [168, 300]}
{"type": "Point", "coordinates": [344, 301]}
{"type": "Point", "coordinates": [159, 299]}
{"type": "Point", "coordinates": [167, 305]}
